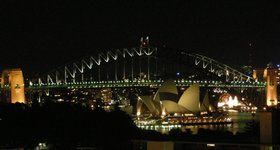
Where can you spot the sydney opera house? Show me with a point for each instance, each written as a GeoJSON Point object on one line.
{"type": "Point", "coordinates": [168, 109]}
{"type": "Point", "coordinates": [167, 102]}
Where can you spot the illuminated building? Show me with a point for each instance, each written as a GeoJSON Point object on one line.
{"type": "Point", "coordinates": [278, 72]}
{"type": "Point", "coordinates": [106, 97]}
{"type": "Point", "coordinates": [247, 69]}
{"type": "Point", "coordinates": [166, 101]}
{"type": "Point", "coordinates": [14, 79]}
{"type": "Point", "coordinates": [228, 102]}
{"type": "Point", "coordinates": [258, 74]}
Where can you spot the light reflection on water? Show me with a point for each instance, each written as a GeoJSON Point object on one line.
{"type": "Point", "coordinates": [194, 128]}
{"type": "Point", "coordinates": [239, 123]}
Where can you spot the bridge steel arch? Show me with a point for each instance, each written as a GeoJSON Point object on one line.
{"type": "Point", "coordinates": [219, 69]}
{"type": "Point", "coordinates": [67, 74]}
{"type": "Point", "coordinates": [63, 74]}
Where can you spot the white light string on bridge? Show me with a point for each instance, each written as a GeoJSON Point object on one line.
{"type": "Point", "coordinates": [71, 70]}
{"type": "Point", "coordinates": [220, 68]}
{"type": "Point", "coordinates": [67, 74]}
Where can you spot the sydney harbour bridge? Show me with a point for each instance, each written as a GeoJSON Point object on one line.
{"type": "Point", "coordinates": [146, 66]}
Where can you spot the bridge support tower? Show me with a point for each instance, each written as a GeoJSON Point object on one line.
{"type": "Point", "coordinates": [13, 80]}
{"type": "Point", "coordinates": [270, 74]}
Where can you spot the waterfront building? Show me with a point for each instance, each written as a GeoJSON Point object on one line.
{"type": "Point", "coordinates": [167, 101]}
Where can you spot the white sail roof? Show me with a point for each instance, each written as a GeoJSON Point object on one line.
{"type": "Point", "coordinates": [147, 100]}
{"type": "Point", "coordinates": [166, 98]}
{"type": "Point", "coordinates": [173, 107]}
{"type": "Point", "coordinates": [205, 103]}
{"type": "Point", "coordinates": [167, 87]}
{"type": "Point", "coordinates": [139, 105]}
{"type": "Point", "coordinates": [190, 99]}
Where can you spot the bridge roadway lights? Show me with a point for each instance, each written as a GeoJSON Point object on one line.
{"type": "Point", "coordinates": [143, 83]}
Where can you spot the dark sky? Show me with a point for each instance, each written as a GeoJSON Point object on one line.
{"type": "Point", "coordinates": [40, 35]}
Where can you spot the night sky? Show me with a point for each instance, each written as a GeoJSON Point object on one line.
{"type": "Point", "coordinates": [39, 36]}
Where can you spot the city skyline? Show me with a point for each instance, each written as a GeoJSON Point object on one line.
{"type": "Point", "coordinates": [41, 36]}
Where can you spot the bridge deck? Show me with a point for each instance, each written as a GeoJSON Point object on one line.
{"type": "Point", "coordinates": [144, 83]}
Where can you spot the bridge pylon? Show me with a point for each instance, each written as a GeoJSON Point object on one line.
{"type": "Point", "coordinates": [13, 83]}
{"type": "Point", "coordinates": [270, 74]}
